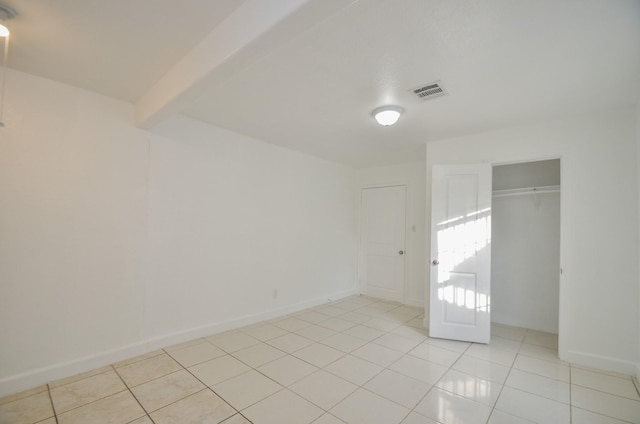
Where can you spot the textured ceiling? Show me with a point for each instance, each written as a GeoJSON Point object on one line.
{"type": "Point", "coordinates": [503, 62]}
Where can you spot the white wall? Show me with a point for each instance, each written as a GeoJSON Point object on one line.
{"type": "Point", "coordinates": [115, 241]}
{"type": "Point", "coordinates": [599, 251]}
{"type": "Point", "coordinates": [233, 219]}
{"type": "Point", "coordinates": [525, 261]}
{"type": "Point", "coordinates": [411, 174]}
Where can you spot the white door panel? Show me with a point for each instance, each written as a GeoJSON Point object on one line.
{"type": "Point", "coordinates": [382, 239]}
{"type": "Point", "coordinates": [460, 285]}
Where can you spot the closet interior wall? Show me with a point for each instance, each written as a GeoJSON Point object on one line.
{"type": "Point", "coordinates": [525, 265]}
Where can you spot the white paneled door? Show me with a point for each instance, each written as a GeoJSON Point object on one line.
{"type": "Point", "coordinates": [460, 287]}
{"type": "Point", "coordinates": [381, 262]}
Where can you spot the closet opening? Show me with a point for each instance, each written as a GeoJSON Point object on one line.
{"type": "Point", "coordinates": [525, 257]}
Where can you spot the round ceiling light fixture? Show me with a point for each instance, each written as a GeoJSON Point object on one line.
{"type": "Point", "coordinates": [387, 115]}
{"type": "Point", "coordinates": [6, 13]}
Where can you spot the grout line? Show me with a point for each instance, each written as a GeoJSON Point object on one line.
{"type": "Point", "coordinates": [53, 406]}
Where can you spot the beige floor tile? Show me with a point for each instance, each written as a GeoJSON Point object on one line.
{"type": "Point", "coordinates": [258, 354]}
{"type": "Point", "coordinates": [492, 354]}
{"type": "Point", "coordinates": [446, 407]}
{"type": "Point", "coordinates": [141, 420]}
{"type": "Point", "coordinates": [23, 394]}
{"type": "Point", "coordinates": [287, 370]}
{"type": "Point", "coordinates": [382, 324]}
{"type": "Point", "coordinates": [605, 383]}
{"type": "Point", "coordinates": [232, 341]}
{"type": "Point", "coordinates": [165, 390]}
{"type": "Point", "coordinates": [323, 389]}
{"type": "Point", "coordinates": [318, 354]}
{"type": "Point", "coordinates": [138, 358]}
{"type": "Point", "coordinates": [541, 339]}
{"type": "Point", "coordinates": [52, 420]}
{"type": "Point", "coordinates": [284, 407]}
{"type": "Point", "coordinates": [365, 333]}
{"type": "Point", "coordinates": [328, 419]}
{"type": "Point", "coordinates": [291, 324]}
{"type": "Point", "coordinates": [540, 352]}
{"type": "Point", "coordinates": [397, 342]}
{"type": "Point", "coordinates": [363, 406]}
{"type": "Point", "coordinates": [356, 370]}
{"type": "Point", "coordinates": [508, 332]}
{"type": "Point", "coordinates": [344, 342]}
{"type": "Point", "coordinates": [78, 377]}
{"type": "Point", "coordinates": [337, 324]}
{"type": "Point", "coordinates": [85, 391]}
{"type": "Point", "coordinates": [454, 345]}
{"type": "Point", "coordinates": [502, 344]}
{"type": "Point", "coordinates": [313, 317]}
{"type": "Point", "coordinates": [426, 371]}
{"type": "Point", "coordinates": [532, 407]}
{"type": "Point", "coordinates": [246, 389]}
{"type": "Point", "coordinates": [202, 407]}
{"type": "Point", "coordinates": [315, 332]}
{"type": "Point", "coordinates": [581, 416]}
{"type": "Point", "coordinates": [27, 410]}
{"type": "Point", "coordinates": [148, 369]}
{"type": "Point", "coordinates": [290, 342]}
{"type": "Point", "coordinates": [237, 419]}
{"type": "Point", "coordinates": [355, 317]}
{"type": "Point", "coordinates": [543, 368]}
{"type": "Point", "coordinates": [115, 409]}
{"type": "Point", "coordinates": [483, 369]}
{"type": "Point", "coordinates": [399, 388]}
{"type": "Point", "coordinates": [436, 354]}
{"type": "Point", "coordinates": [195, 354]}
{"type": "Point", "coordinates": [265, 332]}
{"type": "Point", "coordinates": [417, 334]}
{"type": "Point", "coordinates": [414, 418]}
{"type": "Point", "coordinates": [331, 311]}
{"type": "Point", "coordinates": [482, 391]}
{"type": "Point", "coordinates": [538, 385]}
{"type": "Point", "coordinates": [499, 417]}
{"type": "Point", "coordinates": [218, 370]}
{"type": "Point", "coordinates": [605, 404]}
{"type": "Point", "coordinates": [377, 354]}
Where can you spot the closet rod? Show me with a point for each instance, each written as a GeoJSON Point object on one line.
{"type": "Point", "coordinates": [526, 190]}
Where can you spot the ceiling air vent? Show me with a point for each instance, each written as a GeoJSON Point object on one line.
{"type": "Point", "coordinates": [429, 91]}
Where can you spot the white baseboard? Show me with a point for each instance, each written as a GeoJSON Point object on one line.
{"type": "Point", "coordinates": [604, 363]}
{"type": "Point", "coordinates": [24, 381]}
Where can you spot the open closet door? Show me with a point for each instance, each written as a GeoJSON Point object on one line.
{"type": "Point", "coordinates": [460, 285]}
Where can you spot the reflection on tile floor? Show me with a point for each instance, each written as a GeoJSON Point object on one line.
{"type": "Point", "coordinates": [357, 360]}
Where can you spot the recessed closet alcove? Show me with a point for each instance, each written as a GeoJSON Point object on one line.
{"type": "Point", "coordinates": [525, 263]}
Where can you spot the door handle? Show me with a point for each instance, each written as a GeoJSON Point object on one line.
{"type": "Point", "coordinates": [435, 262]}
{"type": "Point", "coordinates": [401, 252]}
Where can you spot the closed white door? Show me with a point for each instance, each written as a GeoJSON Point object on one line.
{"type": "Point", "coordinates": [460, 286]}
{"type": "Point", "coordinates": [381, 265]}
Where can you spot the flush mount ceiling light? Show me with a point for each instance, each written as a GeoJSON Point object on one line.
{"type": "Point", "coordinates": [6, 13]}
{"type": "Point", "coordinates": [387, 115]}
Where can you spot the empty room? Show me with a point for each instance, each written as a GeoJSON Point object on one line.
{"type": "Point", "coordinates": [319, 211]}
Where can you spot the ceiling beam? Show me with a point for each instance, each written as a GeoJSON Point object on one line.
{"type": "Point", "coordinates": [251, 32]}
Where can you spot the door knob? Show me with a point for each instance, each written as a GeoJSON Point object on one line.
{"type": "Point", "coordinates": [435, 262]}
{"type": "Point", "coordinates": [401, 252]}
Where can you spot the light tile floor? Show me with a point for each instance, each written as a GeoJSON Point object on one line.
{"type": "Point", "coordinates": [358, 360]}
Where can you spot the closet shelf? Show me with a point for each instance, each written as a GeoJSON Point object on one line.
{"type": "Point", "coordinates": [526, 190]}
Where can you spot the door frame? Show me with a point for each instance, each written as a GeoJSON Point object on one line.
{"type": "Point", "coordinates": [407, 228]}
{"type": "Point", "coordinates": [562, 319]}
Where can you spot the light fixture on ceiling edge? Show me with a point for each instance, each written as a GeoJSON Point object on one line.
{"type": "Point", "coordinates": [387, 115]}
{"type": "Point", "coordinates": [6, 13]}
